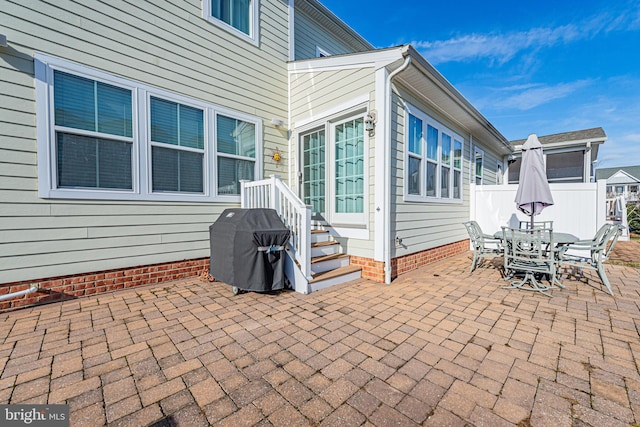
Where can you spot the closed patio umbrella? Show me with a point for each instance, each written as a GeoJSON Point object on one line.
{"type": "Point", "coordinates": [533, 193]}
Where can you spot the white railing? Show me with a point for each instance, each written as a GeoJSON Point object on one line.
{"type": "Point", "coordinates": [273, 193]}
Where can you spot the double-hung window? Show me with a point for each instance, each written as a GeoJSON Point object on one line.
{"type": "Point", "coordinates": [106, 137]}
{"type": "Point", "coordinates": [177, 146]}
{"type": "Point", "coordinates": [433, 160]}
{"type": "Point", "coordinates": [239, 17]}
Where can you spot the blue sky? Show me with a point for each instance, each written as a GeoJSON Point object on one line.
{"type": "Point", "coordinates": [544, 67]}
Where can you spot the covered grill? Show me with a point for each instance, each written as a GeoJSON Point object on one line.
{"type": "Point", "coordinates": [247, 249]}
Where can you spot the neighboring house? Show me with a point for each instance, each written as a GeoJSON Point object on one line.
{"type": "Point", "coordinates": [126, 129]}
{"type": "Point", "coordinates": [569, 156]}
{"type": "Point", "coordinates": [621, 181]}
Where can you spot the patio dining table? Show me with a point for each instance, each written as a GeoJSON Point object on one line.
{"type": "Point", "coordinates": [559, 240]}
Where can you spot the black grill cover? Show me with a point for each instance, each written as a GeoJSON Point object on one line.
{"type": "Point", "coordinates": [239, 256]}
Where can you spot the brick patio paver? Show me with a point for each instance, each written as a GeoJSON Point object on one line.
{"type": "Point", "coordinates": [436, 347]}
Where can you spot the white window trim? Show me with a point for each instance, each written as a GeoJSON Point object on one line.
{"type": "Point", "coordinates": [141, 152]}
{"type": "Point", "coordinates": [422, 197]}
{"type": "Point", "coordinates": [254, 19]}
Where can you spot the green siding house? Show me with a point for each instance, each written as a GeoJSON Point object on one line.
{"type": "Point", "coordinates": [126, 128]}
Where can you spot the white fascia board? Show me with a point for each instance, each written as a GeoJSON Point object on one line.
{"type": "Point", "coordinates": [374, 59]}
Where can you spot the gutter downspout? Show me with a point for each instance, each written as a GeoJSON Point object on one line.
{"type": "Point", "coordinates": [27, 291]}
{"type": "Point", "coordinates": [387, 170]}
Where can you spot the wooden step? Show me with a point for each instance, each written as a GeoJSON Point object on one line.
{"type": "Point", "coordinates": [327, 243]}
{"type": "Point", "coordinates": [335, 273]}
{"type": "Point", "coordinates": [331, 257]}
{"type": "Point", "coordinates": [316, 231]}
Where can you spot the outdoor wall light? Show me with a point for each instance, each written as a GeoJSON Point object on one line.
{"type": "Point", "coordinates": [3, 40]}
{"type": "Point", "coordinates": [277, 122]}
{"type": "Point", "coordinates": [370, 121]}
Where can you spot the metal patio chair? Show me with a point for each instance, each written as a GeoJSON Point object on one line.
{"type": "Point", "coordinates": [532, 253]}
{"type": "Point", "coordinates": [483, 244]}
{"type": "Point", "coordinates": [593, 253]}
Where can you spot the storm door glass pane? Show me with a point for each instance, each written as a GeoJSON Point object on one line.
{"type": "Point", "coordinates": [349, 167]}
{"type": "Point", "coordinates": [313, 174]}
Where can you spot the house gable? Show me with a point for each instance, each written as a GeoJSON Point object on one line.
{"type": "Point", "coordinates": [622, 177]}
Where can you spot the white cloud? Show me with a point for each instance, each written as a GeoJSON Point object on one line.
{"type": "Point", "coordinates": [502, 47]}
{"type": "Point", "coordinates": [531, 96]}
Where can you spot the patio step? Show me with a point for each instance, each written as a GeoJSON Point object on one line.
{"type": "Point", "coordinates": [328, 247]}
{"type": "Point", "coordinates": [319, 236]}
{"type": "Point", "coordinates": [324, 263]}
{"type": "Point", "coordinates": [335, 277]}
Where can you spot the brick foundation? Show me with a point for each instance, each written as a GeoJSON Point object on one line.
{"type": "Point", "coordinates": [69, 287]}
{"type": "Point", "coordinates": [374, 270]}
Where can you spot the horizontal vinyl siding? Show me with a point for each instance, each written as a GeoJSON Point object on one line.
{"type": "Point", "coordinates": [309, 34]}
{"type": "Point", "coordinates": [314, 93]}
{"type": "Point", "coordinates": [167, 45]}
{"type": "Point", "coordinates": [427, 225]}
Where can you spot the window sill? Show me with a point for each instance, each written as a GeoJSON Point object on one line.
{"type": "Point", "coordinates": [131, 196]}
{"type": "Point", "coordinates": [418, 199]}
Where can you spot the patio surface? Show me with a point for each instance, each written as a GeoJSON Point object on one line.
{"type": "Point", "coordinates": [437, 347]}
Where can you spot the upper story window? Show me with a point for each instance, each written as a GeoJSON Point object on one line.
{"type": "Point", "coordinates": [105, 137]}
{"type": "Point", "coordinates": [237, 16]}
{"type": "Point", "coordinates": [433, 160]}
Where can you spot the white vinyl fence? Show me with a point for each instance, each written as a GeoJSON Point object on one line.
{"type": "Point", "coordinates": [579, 209]}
